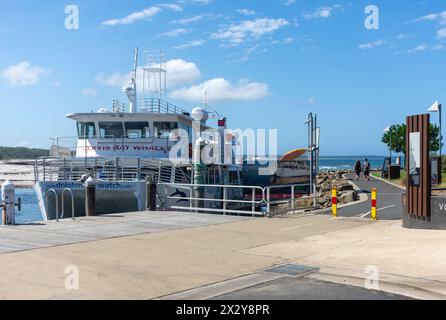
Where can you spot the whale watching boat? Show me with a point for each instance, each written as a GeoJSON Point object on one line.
{"type": "Point", "coordinates": [125, 146]}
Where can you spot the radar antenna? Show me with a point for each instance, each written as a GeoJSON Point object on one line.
{"type": "Point", "coordinates": [131, 90]}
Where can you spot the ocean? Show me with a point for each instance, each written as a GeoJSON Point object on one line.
{"type": "Point", "coordinates": [30, 210]}
{"type": "Point", "coordinates": [348, 163]}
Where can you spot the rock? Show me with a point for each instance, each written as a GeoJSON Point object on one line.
{"type": "Point", "coordinates": [345, 187]}
{"type": "Point", "coordinates": [347, 197]}
{"type": "Point", "coordinates": [304, 202]}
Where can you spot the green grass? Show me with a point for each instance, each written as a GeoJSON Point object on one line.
{"type": "Point", "coordinates": [402, 180]}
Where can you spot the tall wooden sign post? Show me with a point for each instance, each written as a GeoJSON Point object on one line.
{"type": "Point", "coordinates": [418, 169]}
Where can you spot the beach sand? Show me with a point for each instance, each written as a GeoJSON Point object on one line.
{"type": "Point", "coordinates": [19, 172]}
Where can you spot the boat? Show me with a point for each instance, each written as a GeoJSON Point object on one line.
{"type": "Point", "coordinates": [125, 146]}
{"type": "Point", "coordinates": [130, 144]}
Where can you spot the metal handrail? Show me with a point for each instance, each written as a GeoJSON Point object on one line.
{"type": "Point", "coordinates": [63, 203]}
{"type": "Point", "coordinates": [264, 201]}
{"type": "Point", "coordinates": [153, 105]}
{"type": "Point", "coordinates": [57, 202]}
{"type": "Point", "coordinates": [224, 200]}
{"type": "Point", "coordinates": [292, 199]}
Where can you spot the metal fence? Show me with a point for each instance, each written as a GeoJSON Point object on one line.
{"type": "Point", "coordinates": [237, 199]}
{"type": "Point", "coordinates": [227, 199]}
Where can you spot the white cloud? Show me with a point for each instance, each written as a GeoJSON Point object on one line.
{"type": "Point", "coordinates": [440, 17]}
{"type": "Point", "coordinates": [89, 92]}
{"type": "Point", "coordinates": [246, 12]}
{"type": "Point", "coordinates": [323, 12]}
{"type": "Point", "coordinates": [194, 43]}
{"type": "Point", "coordinates": [441, 34]}
{"type": "Point", "coordinates": [372, 45]}
{"type": "Point", "coordinates": [312, 100]}
{"type": "Point", "coordinates": [190, 19]}
{"type": "Point", "coordinates": [23, 74]}
{"type": "Point", "coordinates": [135, 16]}
{"type": "Point", "coordinates": [179, 72]}
{"type": "Point", "coordinates": [145, 14]}
{"type": "Point", "coordinates": [175, 32]}
{"type": "Point", "coordinates": [284, 41]}
{"type": "Point", "coordinates": [220, 89]}
{"type": "Point", "coordinates": [237, 33]}
{"type": "Point", "coordinates": [202, 2]}
{"type": "Point", "coordinates": [289, 2]}
{"type": "Point", "coordinates": [171, 6]}
{"type": "Point", "coordinates": [420, 48]}
{"type": "Point", "coordinates": [403, 36]}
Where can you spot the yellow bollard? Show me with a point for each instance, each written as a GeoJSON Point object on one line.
{"type": "Point", "coordinates": [334, 202]}
{"type": "Point", "coordinates": [374, 203]}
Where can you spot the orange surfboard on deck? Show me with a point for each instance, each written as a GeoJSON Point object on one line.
{"type": "Point", "coordinates": [293, 155]}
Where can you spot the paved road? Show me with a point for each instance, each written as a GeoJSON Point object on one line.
{"type": "Point", "coordinates": [389, 200]}
{"type": "Point", "coordinates": [307, 289]}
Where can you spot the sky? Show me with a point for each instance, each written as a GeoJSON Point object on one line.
{"type": "Point", "coordinates": [263, 64]}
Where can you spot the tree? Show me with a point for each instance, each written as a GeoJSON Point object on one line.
{"type": "Point", "coordinates": [397, 135]}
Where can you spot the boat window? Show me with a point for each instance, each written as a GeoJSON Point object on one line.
{"type": "Point", "coordinates": [137, 130]}
{"type": "Point", "coordinates": [86, 130]}
{"type": "Point", "coordinates": [110, 130]}
{"type": "Point", "coordinates": [188, 129]}
{"type": "Point", "coordinates": [162, 130]}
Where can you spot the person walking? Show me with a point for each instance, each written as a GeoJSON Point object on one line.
{"type": "Point", "coordinates": [367, 169]}
{"type": "Point", "coordinates": [358, 169]}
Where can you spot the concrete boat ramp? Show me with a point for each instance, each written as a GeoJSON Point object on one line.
{"type": "Point", "coordinates": [173, 255]}
{"type": "Point", "coordinates": [51, 233]}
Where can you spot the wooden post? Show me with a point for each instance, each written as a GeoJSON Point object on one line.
{"type": "Point", "coordinates": [90, 197]}
{"type": "Point", "coordinates": [151, 196]}
{"type": "Point", "coordinates": [418, 182]}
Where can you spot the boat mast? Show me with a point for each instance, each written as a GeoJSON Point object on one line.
{"type": "Point", "coordinates": [133, 101]}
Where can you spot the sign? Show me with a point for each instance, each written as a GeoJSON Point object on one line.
{"type": "Point", "coordinates": [414, 158]}
{"type": "Point", "coordinates": [158, 148]}
{"type": "Point", "coordinates": [418, 166]}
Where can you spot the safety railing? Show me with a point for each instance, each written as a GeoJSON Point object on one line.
{"type": "Point", "coordinates": [251, 200]}
{"type": "Point", "coordinates": [287, 198]}
{"type": "Point", "coordinates": [151, 105]}
{"type": "Point", "coordinates": [229, 199]}
{"type": "Point", "coordinates": [110, 169]}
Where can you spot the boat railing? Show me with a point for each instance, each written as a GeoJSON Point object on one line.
{"type": "Point", "coordinates": [150, 105]}
{"type": "Point", "coordinates": [113, 169]}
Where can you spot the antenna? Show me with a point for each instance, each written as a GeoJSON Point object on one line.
{"type": "Point", "coordinates": [135, 64]}
{"type": "Point", "coordinates": [130, 91]}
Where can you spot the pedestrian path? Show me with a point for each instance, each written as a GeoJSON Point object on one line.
{"type": "Point", "coordinates": [389, 200]}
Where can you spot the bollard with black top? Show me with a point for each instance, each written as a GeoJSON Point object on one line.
{"type": "Point", "coordinates": [151, 195]}
{"type": "Point", "coordinates": [90, 197]}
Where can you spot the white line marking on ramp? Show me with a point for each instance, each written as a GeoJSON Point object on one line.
{"type": "Point", "coordinates": [380, 209]}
